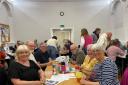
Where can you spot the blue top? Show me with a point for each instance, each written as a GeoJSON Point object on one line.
{"type": "Point", "coordinates": [106, 73]}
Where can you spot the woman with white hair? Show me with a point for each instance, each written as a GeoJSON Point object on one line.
{"type": "Point", "coordinates": [89, 62]}
{"type": "Point", "coordinates": [105, 71]}
{"type": "Point", "coordinates": [24, 71]}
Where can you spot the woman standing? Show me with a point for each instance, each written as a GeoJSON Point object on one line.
{"type": "Point", "coordinates": [86, 39]}
{"type": "Point", "coordinates": [24, 71]}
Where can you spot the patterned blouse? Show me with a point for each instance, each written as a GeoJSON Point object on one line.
{"type": "Point", "coordinates": [106, 73]}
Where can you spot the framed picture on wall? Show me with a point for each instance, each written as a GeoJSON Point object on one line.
{"type": "Point", "coordinates": [4, 33]}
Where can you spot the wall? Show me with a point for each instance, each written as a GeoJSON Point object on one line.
{"type": "Point", "coordinates": [34, 20]}
{"type": "Point", "coordinates": [120, 21]}
{"type": "Point", "coordinates": [6, 18]}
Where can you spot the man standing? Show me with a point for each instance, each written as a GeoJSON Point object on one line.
{"type": "Point", "coordinates": [53, 47]}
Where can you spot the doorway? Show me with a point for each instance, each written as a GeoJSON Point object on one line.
{"type": "Point", "coordinates": [62, 35]}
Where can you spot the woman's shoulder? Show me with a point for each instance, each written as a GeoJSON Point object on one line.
{"type": "Point", "coordinates": [108, 61]}
{"type": "Point", "coordinates": [14, 62]}
{"type": "Point", "coordinates": [32, 62]}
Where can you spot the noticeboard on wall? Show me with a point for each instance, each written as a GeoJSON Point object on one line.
{"type": "Point", "coordinates": [4, 33]}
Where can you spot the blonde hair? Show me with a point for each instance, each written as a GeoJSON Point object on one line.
{"type": "Point", "coordinates": [22, 48]}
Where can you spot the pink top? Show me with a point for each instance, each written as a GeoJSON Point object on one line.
{"type": "Point", "coordinates": [88, 40]}
{"type": "Point", "coordinates": [114, 51]}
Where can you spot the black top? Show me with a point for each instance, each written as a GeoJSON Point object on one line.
{"type": "Point", "coordinates": [3, 76]}
{"type": "Point", "coordinates": [41, 57]}
{"type": "Point", "coordinates": [19, 71]}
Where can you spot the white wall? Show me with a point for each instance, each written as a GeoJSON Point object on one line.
{"type": "Point", "coordinates": [6, 18]}
{"type": "Point", "coordinates": [34, 20]}
{"type": "Point", "coordinates": [120, 21]}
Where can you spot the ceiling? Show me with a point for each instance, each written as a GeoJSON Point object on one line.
{"type": "Point", "coordinates": [60, 0]}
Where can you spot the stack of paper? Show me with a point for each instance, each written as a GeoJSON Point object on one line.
{"type": "Point", "coordinates": [56, 79]}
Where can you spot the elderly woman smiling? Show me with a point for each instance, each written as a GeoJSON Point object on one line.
{"type": "Point", "coordinates": [24, 71]}
{"type": "Point", "coordinates": [105, 71]}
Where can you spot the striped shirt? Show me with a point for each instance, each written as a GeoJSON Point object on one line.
{"type": "Point", "coordinates": [106, 73]}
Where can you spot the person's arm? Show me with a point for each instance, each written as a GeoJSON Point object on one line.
{"type": "Point", "coordinates": [45, 64]}
{"type": "Point", "coordinates": [86, 72]}
{"type": "Point", "coordinates": [82, 42]}
{"type": "Point", "coordinates": [84, 81]}
{"type": "Point", "coordinates": [121, 53]}
{"type": "Point", "coordinates": [23, 82]}
{"type": "Point", "coordinates": [42, 75]}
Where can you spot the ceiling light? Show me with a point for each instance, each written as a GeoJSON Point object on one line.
{"type": "Point", "coordinates": [110, 1]}
{"type": "Point", "coordinates": [10, 0]}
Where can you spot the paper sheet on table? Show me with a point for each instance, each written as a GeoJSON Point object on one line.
{"type": "Point", "coordinates": [62, 77]}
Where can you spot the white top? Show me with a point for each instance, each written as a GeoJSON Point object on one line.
{"type": "Point", "coordinates": [52, 42]}
{"type": "Point", "coordinates": [82, 42]}
{"type": "Point", "coordinates": [31, 57]}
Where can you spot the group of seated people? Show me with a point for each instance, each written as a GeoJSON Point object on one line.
{"type": "Point", "coordinates": [29, 64]}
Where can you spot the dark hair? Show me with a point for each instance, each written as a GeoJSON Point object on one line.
{"type": "Point", "coordinates": [54, 37]}
{"type": "Point", "coordinates": [97, 29]}
{"type": "Point", "coordinates": [84, 31]}
{"type": "Point", "coordinates": [114, 42]}
{"type": "Point", "coordinates": [45, 41]}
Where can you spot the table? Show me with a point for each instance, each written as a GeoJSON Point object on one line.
{"type": "Point", "coordinates": [72, 81]}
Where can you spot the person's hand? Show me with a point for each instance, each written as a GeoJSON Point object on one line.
{"type": "Point", "coordinates": [82, 81]}
{"type": "Point", "coordinates": [42, 82]}
{"type": "Point", "coordinates": [84, 77]}
{"type": "Point", "coordinates": [43, 79]}
{"type": "Point", "coordinates": [49, 63]}
{"type": "Point", "coordinates": [42, 76]}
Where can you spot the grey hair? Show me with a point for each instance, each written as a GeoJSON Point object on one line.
{"type": "Point", "coordinates": [102, 43]}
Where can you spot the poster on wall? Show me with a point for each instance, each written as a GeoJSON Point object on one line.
{"type": "Point", "coordinates": [4, 33]}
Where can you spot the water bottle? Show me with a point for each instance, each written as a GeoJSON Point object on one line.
{"type": "Point", "coordinates": [63, 68]}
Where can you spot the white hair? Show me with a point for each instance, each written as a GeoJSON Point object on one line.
{"type": "Point", "coordinates": [102, 43]}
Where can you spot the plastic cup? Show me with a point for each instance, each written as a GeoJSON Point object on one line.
{"type": "Point", "coordinates": [48, 74]}
{"type": "Point", "coordinates": [78, 76]}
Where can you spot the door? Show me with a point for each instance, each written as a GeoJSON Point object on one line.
{"type": "Point", "coordinates": [62, 35]}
